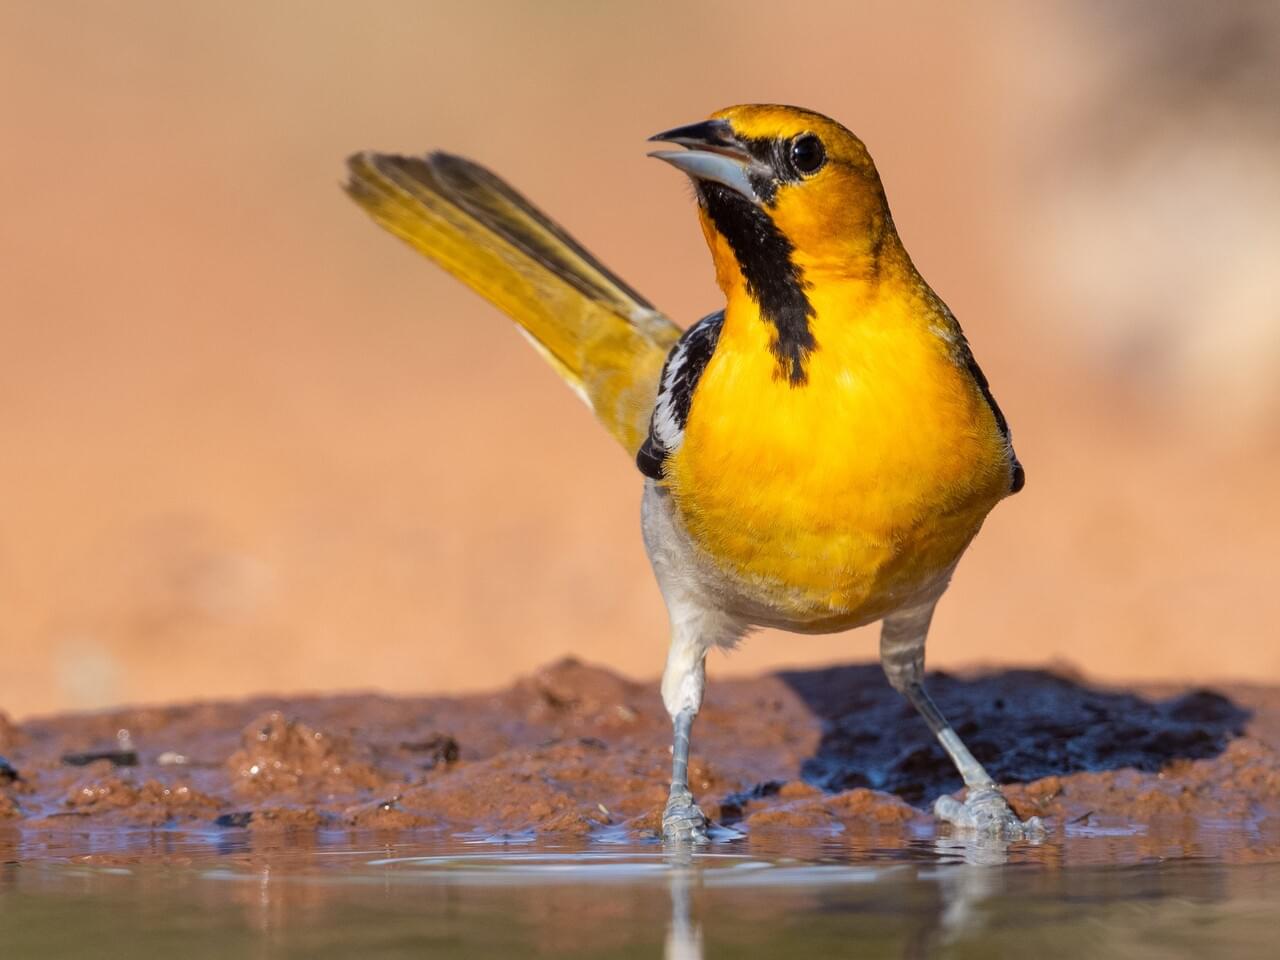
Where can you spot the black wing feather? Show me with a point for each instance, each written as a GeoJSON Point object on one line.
{"type": "Point", "coordinates": [680, 375]}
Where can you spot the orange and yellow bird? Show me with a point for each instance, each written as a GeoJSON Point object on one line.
{"type": "Point", "coordinates": [816, 455]}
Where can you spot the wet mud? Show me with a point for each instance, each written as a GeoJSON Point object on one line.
{"type": "Point", "coordinates": [576, 751]}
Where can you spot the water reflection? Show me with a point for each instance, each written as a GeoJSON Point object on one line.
{"type": "Point", "coordinates": [684, 936]}
{"type": "Point", "coordinates": [965, 878]}
{"type": "Point", "coordinates": [261, 895]}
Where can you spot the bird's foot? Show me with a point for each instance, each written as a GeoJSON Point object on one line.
{"type": "Point", "coordinates": [985, 812]}
{"type": "Point", "coordinates": [682, 821]}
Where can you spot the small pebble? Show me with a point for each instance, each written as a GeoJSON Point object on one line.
{"type": "Point", "coordinates": [440, 747]}
{"type": "Point", "coordinates": [118, 758]}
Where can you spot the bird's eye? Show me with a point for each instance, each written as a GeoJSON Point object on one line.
{"type": "Point", "coordinates": [807, 154]}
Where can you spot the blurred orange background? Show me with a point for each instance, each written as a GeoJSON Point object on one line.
{"type": "Point", "coordinates": [251, 443]}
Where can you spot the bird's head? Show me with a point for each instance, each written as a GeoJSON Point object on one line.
{"type": "Point", "coordinates": [792, 170]}
{"type": "Point", "coordinates": [787, 198]}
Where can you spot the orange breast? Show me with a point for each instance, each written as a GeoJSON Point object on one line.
{"type": "Point", "coordinates": [842, 497]}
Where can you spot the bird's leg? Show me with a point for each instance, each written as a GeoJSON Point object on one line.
{"type": "Point", "coordinates": [984, 810]}
{"type": "Point", "coordinates": [682, 685]}
{"type": "Point", "coordinates": [697, 624]}
{"type": "Point", "coordinates": [682, 819]}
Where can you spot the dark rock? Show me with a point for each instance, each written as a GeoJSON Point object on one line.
{"type": "Point", "coordinates": [118, 758]}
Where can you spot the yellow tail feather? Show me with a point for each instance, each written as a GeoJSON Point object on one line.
{"type": "Point", "coordinates": [602, 337]}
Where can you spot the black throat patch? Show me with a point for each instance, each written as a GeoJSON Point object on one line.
{"type": "Point", "coordinates": [773, 279]}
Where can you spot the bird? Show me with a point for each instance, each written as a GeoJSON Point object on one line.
{"type": "Point", "coordinates": [815, 455]}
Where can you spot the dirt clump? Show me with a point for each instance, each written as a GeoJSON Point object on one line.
{"type": "Point", "coordinates": [278, 755]}
{"type": "Point", "coordinates": [570, 688]}
{"type": "Point", "coordinates": [152, 802]}
{"type": "Point", "coordinates": [816, 810]}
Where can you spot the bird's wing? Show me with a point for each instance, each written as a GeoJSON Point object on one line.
{"type": "Point", "coordinates": [603, 338]}
{"type": "Point", "coordinates": [680, 376]}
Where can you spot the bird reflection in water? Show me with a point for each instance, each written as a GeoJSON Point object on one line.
{"type": "Point", "coordinates": [965, 875]}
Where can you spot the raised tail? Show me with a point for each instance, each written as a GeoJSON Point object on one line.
{"type": "Point", "coordinates": [602, 337]}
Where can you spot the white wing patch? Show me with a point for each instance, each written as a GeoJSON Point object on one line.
{"type": "Point", "coordinates": [666, 428]}
{"type": "Point", "coordinates": [680, 375]}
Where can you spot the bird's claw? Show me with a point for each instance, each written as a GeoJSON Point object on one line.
{"type": "Point", "coordinates": [985, 812]}
{"type": "Point", "coordinates": [682, 821]}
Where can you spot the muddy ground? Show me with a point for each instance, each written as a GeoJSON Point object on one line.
{"type": "Point", "coordinates": [576, 751]}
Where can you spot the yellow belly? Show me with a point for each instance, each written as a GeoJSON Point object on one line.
{"type": "Point", "coordinates": [843, 498]}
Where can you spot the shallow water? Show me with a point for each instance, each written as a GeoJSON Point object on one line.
{"type": "Point", "coordinates": [235, 893]}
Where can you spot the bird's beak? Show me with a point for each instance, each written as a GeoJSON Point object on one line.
{"type": "Point", "coordinates": [712, 152]}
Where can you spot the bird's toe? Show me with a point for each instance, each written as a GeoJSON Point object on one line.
{"type": "Point", "coordinates": [985, 812]}
{"type": "Point", "coordinates": [682, 821]}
